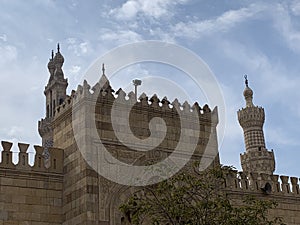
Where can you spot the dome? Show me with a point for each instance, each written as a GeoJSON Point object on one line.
{"type": "Point", "coordinates": [58, 56]}
{"type": "Point", "coordinates": [51, 64]}
{"type": "Point", "coordinates": [248, 92]}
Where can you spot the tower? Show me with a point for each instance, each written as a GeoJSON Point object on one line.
{"type": "Point", "coordinates": [55, 93]}
{"type": "Point", "coordinates": [256, 159]}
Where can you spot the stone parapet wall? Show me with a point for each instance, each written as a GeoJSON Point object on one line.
{"type": "Point", "coordinates": [284, 191]}
{"type": "Point", "coordinates": [53, 164]}
{"type": "Point", "coordinates": [31, 194]}
{"type": "Point", "coordinates": [280, 185]}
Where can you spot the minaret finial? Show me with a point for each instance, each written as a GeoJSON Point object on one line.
{"type": "Point", "coordinates": [103, 69]}
{"type": "Point", "coordinates": [52, 54]}
{"type": "Point", "coordinates": [246, 80]}
{"type": "Point", "coordinates": [248, 93]}
{"type": "Point", "coordinates": [58, 48]}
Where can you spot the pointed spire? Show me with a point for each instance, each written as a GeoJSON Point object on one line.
{"type": "Point", "coordinates": [52, 54]}
{"type": "Point", "coordinates": [104, 82]}
{"type": "Point", "coordinates": [58, 48]}
{"type": "Point", "coordinates": [103, 69]}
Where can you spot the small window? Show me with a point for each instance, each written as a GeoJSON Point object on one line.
{"type": "Point", "coordinates": [54, 107]}
{"type": "Point", "coordinates": [48, 111]}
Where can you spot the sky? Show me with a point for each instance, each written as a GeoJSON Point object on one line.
{"type": "Point", "coordinates": [234, 38]}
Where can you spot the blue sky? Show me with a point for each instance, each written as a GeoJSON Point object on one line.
{"type": "Point", "coordinates": [258, 38]}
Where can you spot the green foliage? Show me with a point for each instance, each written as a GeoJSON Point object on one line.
{"type": "Point", "coordinates": [194, 199]}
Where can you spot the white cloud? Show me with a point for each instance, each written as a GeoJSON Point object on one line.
{"type": "Point", "coordinates": [228, 20]}
{"type": "Point", "coordinates": [3, 37]}
{"type": "Point", "coordinates": [283, 23]}
{"type": "Point", "coordinates": [83, 47]}
{"type": "Point", "coordinates": [119, 37]}
{"type": "Point", "coordinates": [257, 63]}
{"type": "Point", "coordinates": [149, 8]}
{"type": "Point", "coordinates": [127, 11]}
{"type": "Point", "coordinates": [78, 47]}
{"type": "Point", "coordinates": [8, 53]}
{"type": "Point", "coordinates": [71, 40]}
{"type": "Point", "coordinates": [295, 7]}
{"type": "Point", "coordinates": [74, 69]}
{"type": "Point", "coordinates": [162, 35]}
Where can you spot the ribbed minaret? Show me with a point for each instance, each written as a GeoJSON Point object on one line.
{"type": "Point", "coordinates": [256, 159]}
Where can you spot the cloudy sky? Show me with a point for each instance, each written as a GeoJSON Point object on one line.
{"type": "Point", "coordinates": [257, 38]}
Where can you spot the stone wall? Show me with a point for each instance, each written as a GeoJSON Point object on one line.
{"type": "Point", "coordinates": [31, 195]}
{"type": "Point", "coordinates": [283, 190]}
{"type": "Point", "coordinates": [90, 198]}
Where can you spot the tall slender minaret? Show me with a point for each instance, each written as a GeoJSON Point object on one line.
{"type": "Point", "coordinates": [256, 159]}
{"type": "Point", "coordinates": [55, 93]}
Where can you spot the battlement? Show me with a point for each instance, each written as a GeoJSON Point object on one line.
{"type": "Point", "coordinates": [258, 160]}
{"type": "Point", "coordinates": [53, 165]}
{"type": "Point", "coordinates": [103, 94]}
{"type": "Point", "coordinates": [262, 153]}
{"type": "Point", "coordinates": [251, 116]}
{"type": "Point", "coordinates": [257, 183]}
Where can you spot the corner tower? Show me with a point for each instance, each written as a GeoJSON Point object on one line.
{"type": "Point", "coordinates": [256, 159]}
{"type": "Point", "coordinates": [55, 93]}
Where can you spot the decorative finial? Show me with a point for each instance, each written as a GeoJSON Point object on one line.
{"type": "Point", "coordinates": [246, 80]}
{"type": "Point", "coordinates": [52, 54]}
{"type": "Point", "coordinates": [58, 48]}
{"type": "Point", "coordinates": [103, 69]}
{"type": "Point", "coordinates": [248, 93]}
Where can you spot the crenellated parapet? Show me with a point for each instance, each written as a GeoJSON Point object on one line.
{"type": "Point", "coordinates": [39, 164]}
{"type": "Point", "coordinates": [66, 105]}
{"type": "Point", "coordinates": [104, 94]}
{"type": "Point", "coordinates": [251, 116]}
{"type": "Point", "coordinates": [259, 161]}
{"type": "Point", "coordinates": [120, 119]}
{"type": "Point", "coordinates": [262, 184]}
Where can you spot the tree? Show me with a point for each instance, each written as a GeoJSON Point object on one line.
{"type": "Point", "coordinates": [194, 199]}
